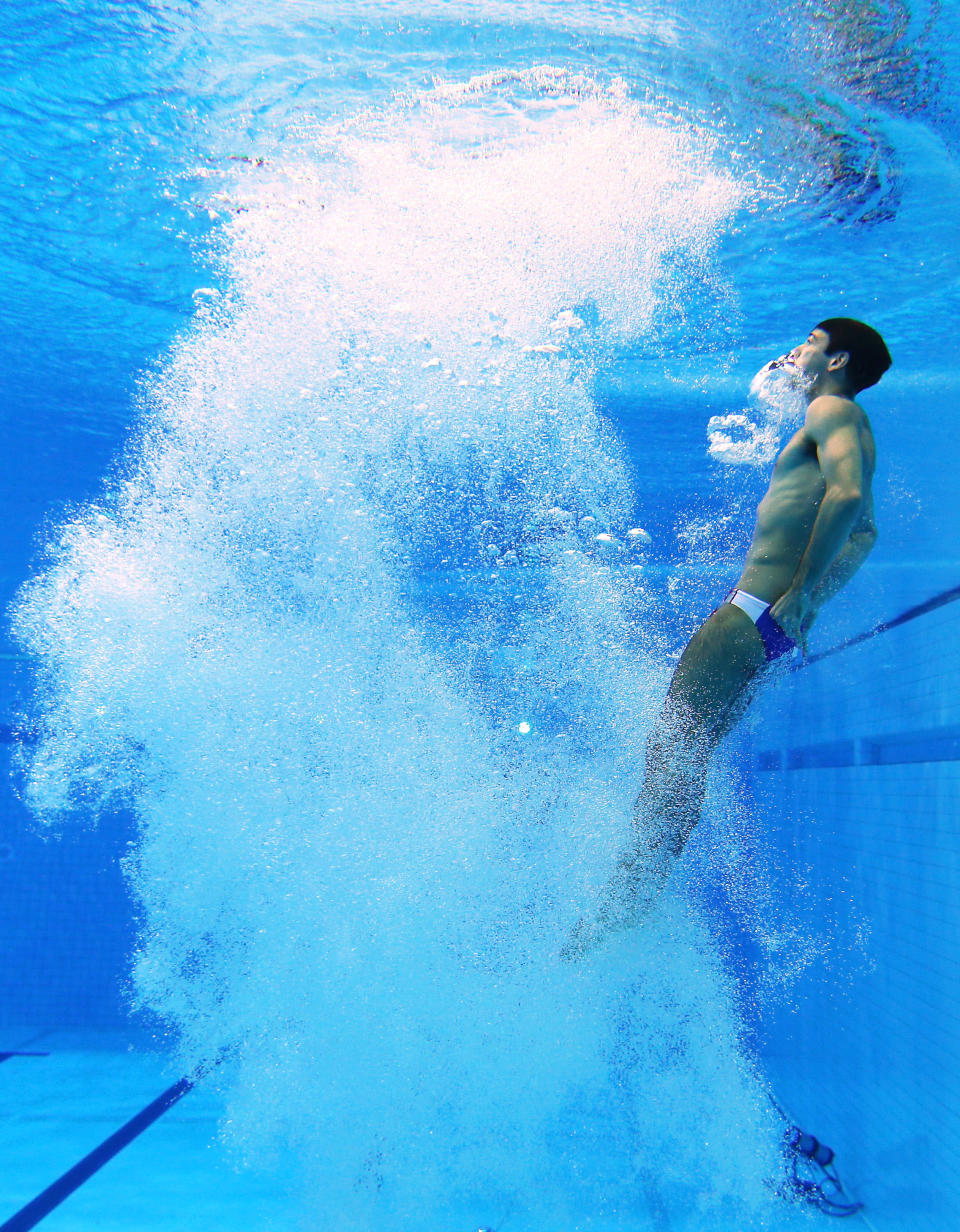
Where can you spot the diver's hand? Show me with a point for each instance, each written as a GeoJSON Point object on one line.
{"type": "Point", "coordinates": [805, 628]}
{"type": "Point", "coordinates": [790, 612]}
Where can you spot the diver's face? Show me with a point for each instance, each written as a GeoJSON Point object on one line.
{"type": "Point", "coordinates": [811, 359]}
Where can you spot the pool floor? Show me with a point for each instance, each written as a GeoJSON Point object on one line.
{"type": "Point", "coordinates": [175, 1176]}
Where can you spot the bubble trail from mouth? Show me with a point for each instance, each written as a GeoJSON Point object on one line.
{"type": "Point", "coordinates": [752, 437]}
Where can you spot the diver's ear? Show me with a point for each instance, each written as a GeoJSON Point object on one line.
{"type": "Point", "coordinates": [838, 360]}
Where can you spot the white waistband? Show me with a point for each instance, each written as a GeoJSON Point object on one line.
{"type": "Point", "coordinates": [748, 603]}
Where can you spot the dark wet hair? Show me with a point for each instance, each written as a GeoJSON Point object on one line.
{"type": "Point", "coordinates": [869, 357]}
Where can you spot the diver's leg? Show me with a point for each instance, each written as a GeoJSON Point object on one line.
{"type": "Point", "coordinates": [706, 693]}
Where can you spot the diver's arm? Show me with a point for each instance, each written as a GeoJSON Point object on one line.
{"type": "Point", "coordinates": [833, 425]}
{"type": "Point", "coordinates": [858, 547]}
{"type": "Point", "coordinates": [854, 552]}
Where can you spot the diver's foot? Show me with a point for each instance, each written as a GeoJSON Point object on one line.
{"type": "Point", "coordinates": [627, 902]}
{"type": "Point", "coordinates": [586, 936]}
{"type": "Point", "coordinates": [589, 935]}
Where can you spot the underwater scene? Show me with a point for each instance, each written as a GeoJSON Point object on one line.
{"type": "Point", "coordinates": [387, 401]}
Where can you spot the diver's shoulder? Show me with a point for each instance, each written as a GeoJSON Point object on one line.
{"type": "Point", "coordinates": [834, 409]}
{"type": "Point", "coordinates": [834, 404]}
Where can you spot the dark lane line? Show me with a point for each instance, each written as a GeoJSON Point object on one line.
{"type": "Point", "coordinates": [41, 1206]}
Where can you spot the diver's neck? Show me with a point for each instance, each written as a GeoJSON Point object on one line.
{"type": "Point", "coordinates": [827, 386]}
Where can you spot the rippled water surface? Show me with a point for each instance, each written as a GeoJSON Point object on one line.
{"type": "Point", "coordinates": [120, 121]}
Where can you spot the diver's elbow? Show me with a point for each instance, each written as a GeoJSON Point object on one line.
{"type": "Point", "coordinates": [847, 499]}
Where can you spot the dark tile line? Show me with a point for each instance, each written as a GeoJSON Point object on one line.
{"type": "Point", "coordinates": [932, 744]}
{"type": "Point", "coordinates": [41, 1206]}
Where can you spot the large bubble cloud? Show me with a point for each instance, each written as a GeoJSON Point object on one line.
{"type": "Point", "coordinates": [353, 633]}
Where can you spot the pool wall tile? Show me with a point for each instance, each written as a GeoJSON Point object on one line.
{"type": "Point", "coordinates": [856, 769]}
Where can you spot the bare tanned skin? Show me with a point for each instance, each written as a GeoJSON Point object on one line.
{"type": "Point", "coordinates": [814, 529]}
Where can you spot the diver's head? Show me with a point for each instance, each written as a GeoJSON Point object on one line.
{"type": "Point", "coordinates": [841, 356]}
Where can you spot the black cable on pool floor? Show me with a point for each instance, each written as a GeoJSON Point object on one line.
{"type": "Point", "coordinates": [911, 613]}
{"type": "Point", "coordinates": [41, 1206]}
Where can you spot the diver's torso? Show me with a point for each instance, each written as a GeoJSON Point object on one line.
{"type": "Point", "coordinates": [786, 515]}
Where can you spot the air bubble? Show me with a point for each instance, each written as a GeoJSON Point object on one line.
{"type": "Point", "coordinates": [637, 537]}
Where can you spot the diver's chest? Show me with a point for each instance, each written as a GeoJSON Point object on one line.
{"type": "Point", "coordinates": [799, 454]}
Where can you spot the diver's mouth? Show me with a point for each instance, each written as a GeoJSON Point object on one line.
{"type": "Point", "coordinates": [777, 377]}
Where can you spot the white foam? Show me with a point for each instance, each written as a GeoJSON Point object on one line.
{"type": "Point", "coordinates": [365, 831]}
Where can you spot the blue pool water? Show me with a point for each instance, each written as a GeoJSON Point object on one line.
{"type": "Point", "coordinates": [377, 415]}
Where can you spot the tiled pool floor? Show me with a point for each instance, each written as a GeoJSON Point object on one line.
{"type": "Point", "coordinates": [173, 1177]}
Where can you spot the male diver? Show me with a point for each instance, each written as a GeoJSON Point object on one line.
{"type": "Point", "coordinates": [813, 531]}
